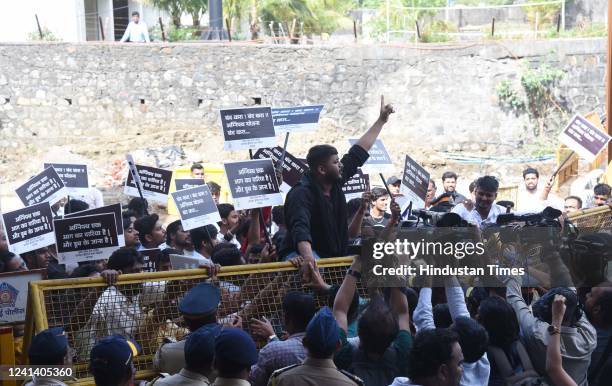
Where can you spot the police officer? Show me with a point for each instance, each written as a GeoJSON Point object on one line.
{"type": "Point", "coordinates": [198, 308]}
{"type": "Point", "coordinates": [111, 361]}
{"type": "Point", "coordinates": [199, 355]}
{"type": "Point", "coordinates": [49, 348]}
{"type": "Point", "coordinates": [235, 353]}
{"type": "Point", "coordinates": [322, 339]}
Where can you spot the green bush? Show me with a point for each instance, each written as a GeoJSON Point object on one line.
{"type": "Point", "coordinates": [536, 97]}
{"type": "Point", "coordinates": [47, 35]}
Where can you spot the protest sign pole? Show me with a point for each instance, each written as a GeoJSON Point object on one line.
{"type": "Point", "coordinates": [562, 164]}
{"type": "Point", "coordinates": [134, 171]}
{"type": "Point", "coordinates": [282, 158]}
{"type": "Point", "coordinates": [261, 217]}
{"type": "Point", "coordinates": [382, 177]}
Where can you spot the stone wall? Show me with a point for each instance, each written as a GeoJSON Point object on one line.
{"type": "Point", "coordinates": [101, 100]}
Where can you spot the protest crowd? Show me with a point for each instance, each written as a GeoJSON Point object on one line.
{"type": "Point", "coordinates": [455, 333]}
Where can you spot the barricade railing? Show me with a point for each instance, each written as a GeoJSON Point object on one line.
{"type": "Point", "coordinates": [144, 305]}
{"type": "Point", "coordinates": [594, 218]}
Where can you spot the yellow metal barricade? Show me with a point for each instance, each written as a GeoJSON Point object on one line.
{"type": "Point", "coordinates": [569, 169]}
{"type": "Point", "coordinates": [144, 305]}
{"type": "Point", "coordinates": [7, 351]}
{"type": "Point", "coordinates": [593, 218]}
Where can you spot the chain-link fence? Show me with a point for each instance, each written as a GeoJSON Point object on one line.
{"type": "Point", "coordinates": [144, 306]}
{"type": "Point", "coordinates": [594, 218]}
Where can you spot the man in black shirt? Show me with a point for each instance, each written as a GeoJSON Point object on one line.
{"type": "Point", "coordinates": [315, 208]}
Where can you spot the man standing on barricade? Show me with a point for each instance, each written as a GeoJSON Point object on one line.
{"type": "Point", "coordinates": [315, 208]}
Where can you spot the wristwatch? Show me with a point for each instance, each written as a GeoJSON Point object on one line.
{"type": "Point", "coordinates": [353, 273]}
{"type": "Point", "coordinates": [552, 330]}
{"type": "Point", "coordinates": [272, 338]}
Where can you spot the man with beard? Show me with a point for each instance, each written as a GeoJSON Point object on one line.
{"type": "Point", "coordinates": [150, 231]}
{"type": "Point", "coordinates": [315, 208]}
{"type": "Point", "coordinates": [449, 184]}
{"type": "Point", "coordinates": [177, 238]}
{"type": "Point", "coordinates": [483, 210]}
{"type": "Point", "coordinates": [44, 258]}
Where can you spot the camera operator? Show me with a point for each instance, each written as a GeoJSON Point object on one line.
{"type": "Point", "coordinates": [577, 334]}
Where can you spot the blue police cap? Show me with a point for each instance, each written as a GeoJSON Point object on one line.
{"type": "Point", "coordinates": [200, 345]}
{"type": "Point", "coordinates": [113, 355]}
{"type": "Point", "coordinates": [202, 299]}
{"type": "Point", "coordinates": [322, 331]}
{"type": "Point", "coordinates": [49, 344]}
{"type": "Point", "coordinates": [233, 345]}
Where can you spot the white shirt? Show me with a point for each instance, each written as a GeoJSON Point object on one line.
{"type": "Point", "coordinates": [474, 217]}
{"type": "Point", "coordinates": [137, 33]}
{"type": "Point", "coordinates": [114, 313]}
{"type": "Point", "coordinates": [402, 381]}
{"type": "Point", "coordinates": [93, 197]}
{"type": "Point", "coordinates": [221, 239]}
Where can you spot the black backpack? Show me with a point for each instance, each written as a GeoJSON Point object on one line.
{"type": "Point", "coordinates": [527, 377]}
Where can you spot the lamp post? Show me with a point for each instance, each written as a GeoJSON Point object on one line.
{"type": "Point", "coordinates": [215, 22]}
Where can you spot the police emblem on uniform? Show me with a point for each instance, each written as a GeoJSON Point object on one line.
{"type": "Point", "coordinates": [8, 295]}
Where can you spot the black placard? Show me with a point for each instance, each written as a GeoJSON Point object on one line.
{"type": "Point", "coordinates": [248, 128]}
{"type": "Point", "coordinates": [415, 182]}
{"type": "Point", "coordinates": [584, 138]}
{"type": "Point", "coordinates": [196, 207]}
{"type": "Point", "coordinates": [379, 160]}
{"type": "Point", "coordinates": [29, 228]}
{"type": "Point", "coordinates": [253, 183]}
{"type": "Point", "coordinates": [155, 182]}
{"type": "Point", "coordinates": [293, 168]}
{"type": "Point", "coordinates": [186, 183]}
{"type": "Point", "coordinates": [46, 186]}
{"type": "Point", "coordinates": [114, 208]}
{"type": "Point", "coordinates": [86, 238]}
{"type": "Point", "coordinates": [74, 176]}
{"type": "Point", "coordinates": [356, 185]}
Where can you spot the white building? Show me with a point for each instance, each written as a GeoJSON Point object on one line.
{"type": "Point", "coordinates": [73, 20]}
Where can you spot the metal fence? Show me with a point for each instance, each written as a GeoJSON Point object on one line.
{"type": "Point", "coordinates": [593, 218]}
{"type": "Point", "coordinates": [144, 306]}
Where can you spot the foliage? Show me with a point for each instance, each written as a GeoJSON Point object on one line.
{"type": "Point", "coordinates": [595, 30]}
{"type": "Point", "coordinates": [47, 35]}
{"type": "Point", "coordinates": [548, 14]}
{"type": "Point", "coordinates": [174, 7]}
{"type": "Point", "coordinates": [179, 34]}
{"type": "Point", "coordinates": [509, 97]}
{"type": "Point", "coordinates": [437, 32]}
{"type": "Point", "coordinates": [537, 97]}
{"type": "Point", "coordinates": [196, 8]}
{"type": "Point", "coordinates": [317, 16]}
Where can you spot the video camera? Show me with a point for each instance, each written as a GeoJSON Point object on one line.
{"type": "Point", "coordinates": [427, 218]}
{"type": "Point", "coordinates": [520, 227]}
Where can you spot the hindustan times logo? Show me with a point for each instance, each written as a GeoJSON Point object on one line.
{"type": "Point", "coordinates": [422, 248]}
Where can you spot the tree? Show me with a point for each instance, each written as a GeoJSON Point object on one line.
{"type": "Point", "coordinates": [234, 10]}
{"type": "Point", "coordinates": [196, 8]}
{"type": "Point", "coordinates": [174, 7]}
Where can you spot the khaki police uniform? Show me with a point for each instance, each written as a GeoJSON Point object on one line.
{"type": "Point", "coordinates": [170, 357]}
{"type": "Point", "coordinates": [313, 372]}
{"type": "Point", "coordinates": [183, 377]}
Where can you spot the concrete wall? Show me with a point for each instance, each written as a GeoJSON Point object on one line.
{"type": "Point", "coordinates": [57, 90]}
